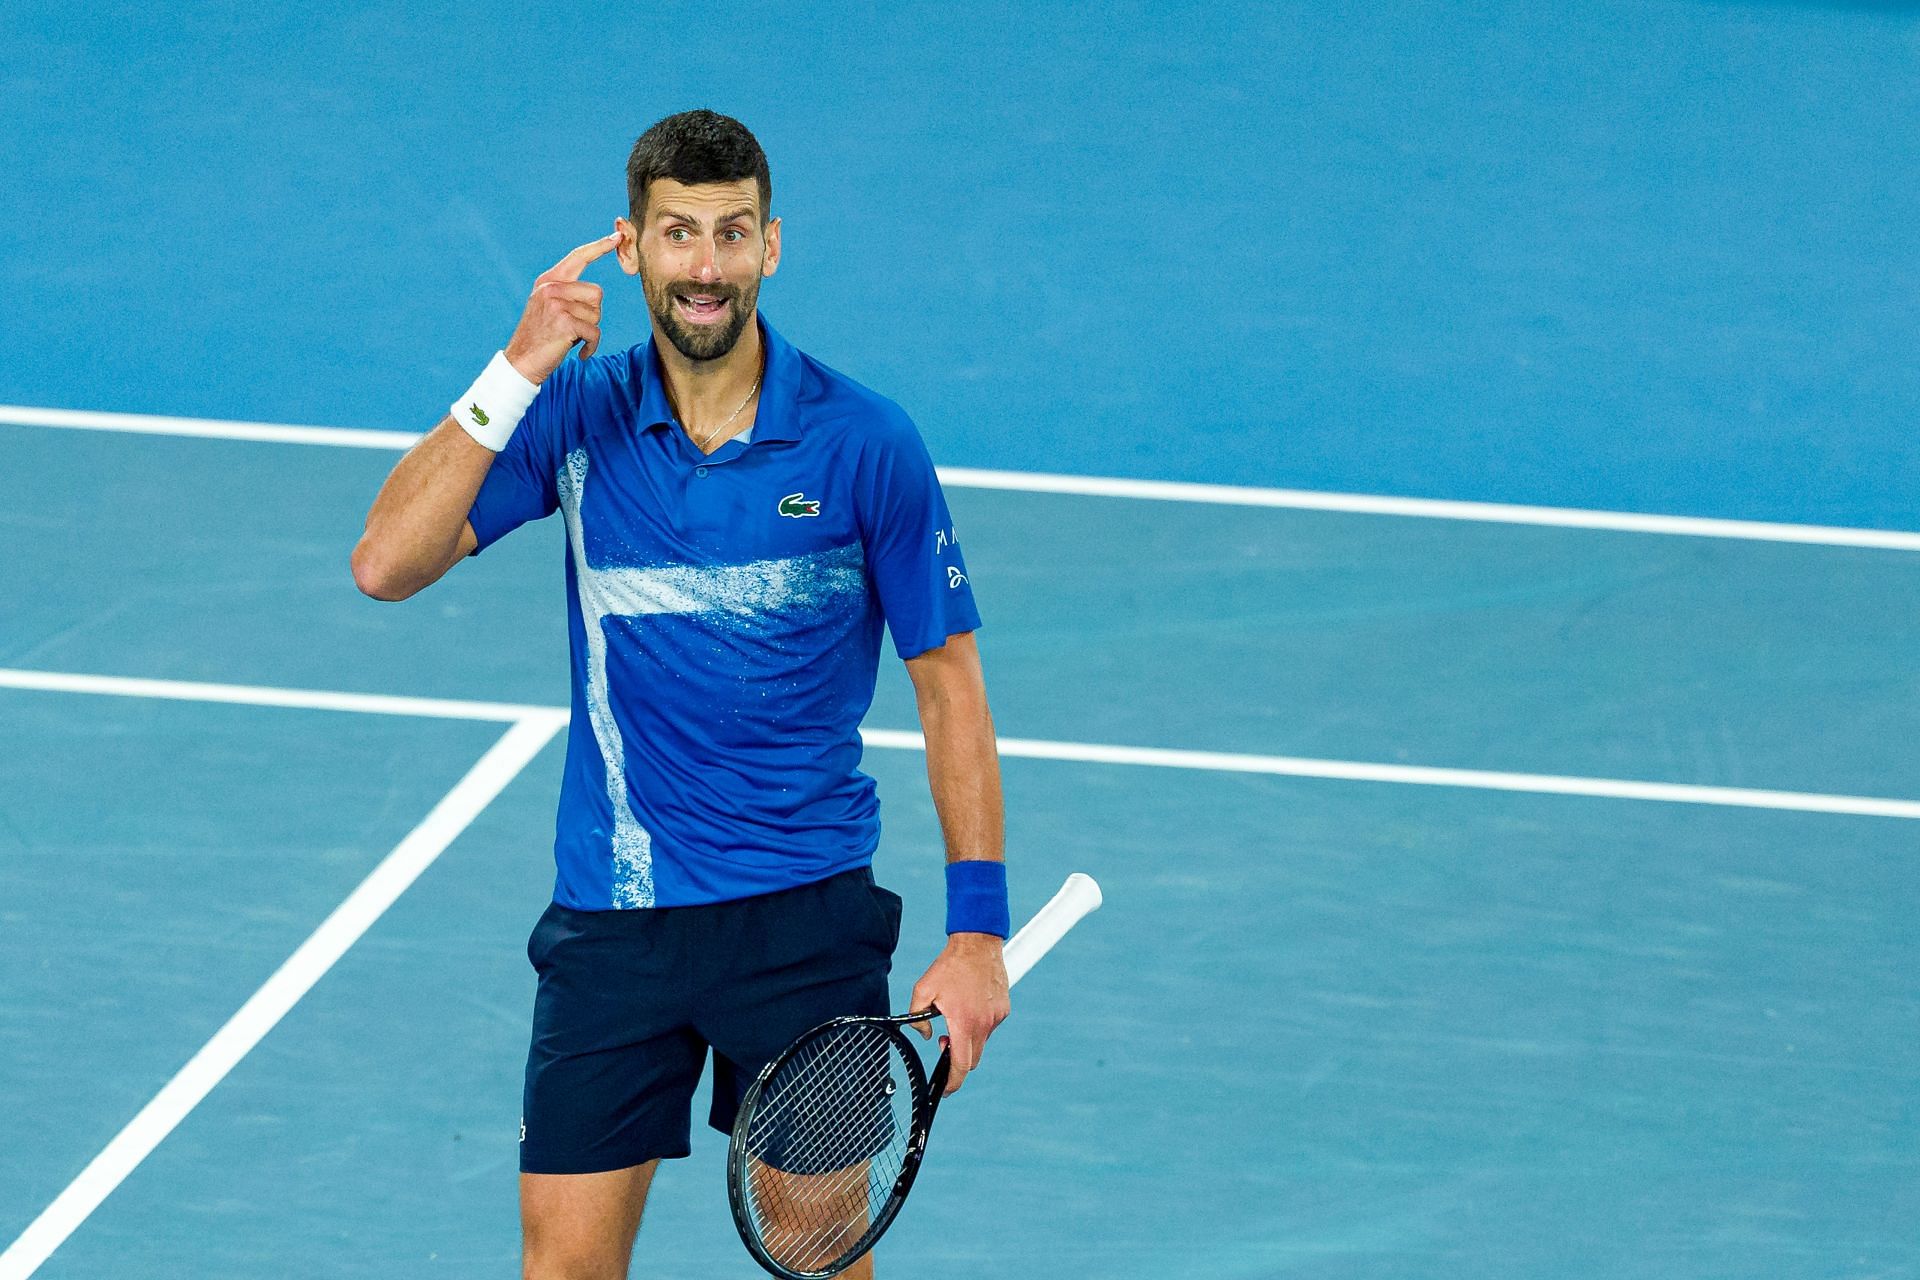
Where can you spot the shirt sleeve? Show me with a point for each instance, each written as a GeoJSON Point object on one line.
{"type": "Point", "coordinates": [522, 484]}
{"type": "Point", "coordinates": [912, 549]}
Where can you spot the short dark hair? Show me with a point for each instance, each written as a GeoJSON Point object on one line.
{"type": "Point", "coordinates": [694, 147]}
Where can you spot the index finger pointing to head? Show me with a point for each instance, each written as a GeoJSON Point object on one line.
{"type": "Point", "coordinates": [570, 267]}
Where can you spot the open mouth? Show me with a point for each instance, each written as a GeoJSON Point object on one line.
{"type": "Point", "coordinates": [701, 308]}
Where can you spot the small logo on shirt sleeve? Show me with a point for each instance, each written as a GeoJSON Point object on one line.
{"type": "Point", "coordinates": [954, 577]}
{"type": "Point", "coordinates": [796, 505]}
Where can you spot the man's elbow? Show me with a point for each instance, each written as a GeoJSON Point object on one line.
{"type": "Point", "coordinates": [377, 577]}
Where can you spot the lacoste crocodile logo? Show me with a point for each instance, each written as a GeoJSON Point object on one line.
{"type": "Point", "coordinates": [479, 414]}
{"type": "Point", "coordinates": [795, 505]}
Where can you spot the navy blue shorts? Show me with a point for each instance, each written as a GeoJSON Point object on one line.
{"type": "Point", "coordinates": [630, 1002]}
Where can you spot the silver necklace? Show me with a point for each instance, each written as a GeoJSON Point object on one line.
{"type": "Point", "coordinates": [701, 444]}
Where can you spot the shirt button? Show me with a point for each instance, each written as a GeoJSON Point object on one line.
{"type": "Point", "coordinates": [699, 471]}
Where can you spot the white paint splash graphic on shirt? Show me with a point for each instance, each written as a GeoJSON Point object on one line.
{"type": "Point", "coordinates": [744, 593]}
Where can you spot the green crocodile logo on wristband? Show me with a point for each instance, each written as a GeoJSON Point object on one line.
{"type": "Point", "coordinates": [479, 414]}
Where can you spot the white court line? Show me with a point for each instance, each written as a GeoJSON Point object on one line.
{"type": "Point", "coordinates": [206, 428]}
{"type": "Point", "coordinates": [1367, 504]}
{"type": "Point", "coordinates": [263, 696]}
{"type": "Point", "coordinates": [339, 931]}
{"type": "Point", "coordinates": [1085, 486]}
{"type": "Point", "coordinates": [1428, 776]}
{"type": "Point", "coordinates": [1032, 749]}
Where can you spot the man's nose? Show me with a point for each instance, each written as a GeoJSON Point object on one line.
{"type": "Point", "coordinates": [703, 267]}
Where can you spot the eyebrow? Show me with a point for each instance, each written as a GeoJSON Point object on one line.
{"type": "Point", "coordinates": [674, 215]}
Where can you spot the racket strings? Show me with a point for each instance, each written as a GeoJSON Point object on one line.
{"type": "Point", "coordinates": [809, 1064]}
{"type": "Point", "coordinates": [827, 1141]}
{"type": "Point", "coordinates": [824, 1105]}
{"type": "Point", "coordinates": [820, 1086]}
{"type": "Point", "coordinates": [814, 1229]}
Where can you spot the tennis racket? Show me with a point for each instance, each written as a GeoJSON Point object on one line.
{"type": "Point", "coordinates": [830, 1134]}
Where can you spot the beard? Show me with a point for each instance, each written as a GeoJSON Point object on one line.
{"type": "Point", "coordinates": [707, 341]}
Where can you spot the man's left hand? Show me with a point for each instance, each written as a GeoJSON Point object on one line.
{"type": "Point", "coordinates": [968, 984]}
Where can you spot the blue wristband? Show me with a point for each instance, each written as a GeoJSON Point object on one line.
{"type": "Point", "coordinates": [977, 898]}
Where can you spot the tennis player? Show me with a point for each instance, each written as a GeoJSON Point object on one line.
{"type": "Point", "coordinates": [741, 521]}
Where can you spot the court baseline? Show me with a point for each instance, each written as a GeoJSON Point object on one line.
{"type": "Point", "coordinates": [1084, 486]}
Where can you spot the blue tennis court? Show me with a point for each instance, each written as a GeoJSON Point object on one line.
{"type": "Point", "coordinates": [1501, 758]}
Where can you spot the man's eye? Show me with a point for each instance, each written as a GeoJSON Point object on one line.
{"type": "Point", "coordinates": [677, 234]}
{"type": "Point", "coordinates": [735, 235]}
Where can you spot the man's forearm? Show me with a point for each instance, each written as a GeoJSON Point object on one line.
{"type": "Point", "coordinates": [414, 529]}
{"type": "Point", "coordinates": [963, 771]}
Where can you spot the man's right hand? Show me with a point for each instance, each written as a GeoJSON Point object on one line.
{"type": "Point", "coordinates": [563, 310]}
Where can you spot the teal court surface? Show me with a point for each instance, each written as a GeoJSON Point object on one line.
{"type": "Point", "coordinates": [1439, 482]}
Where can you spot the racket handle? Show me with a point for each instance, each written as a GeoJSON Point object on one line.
{"type": "Point", "coordinates": [1078, 896]}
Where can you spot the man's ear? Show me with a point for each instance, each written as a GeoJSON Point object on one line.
{"type": "Point", "coordinates": [628, 250]}
{"type": "Point", "coordinates": [771, 263]}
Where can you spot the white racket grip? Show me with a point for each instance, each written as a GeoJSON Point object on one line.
{"type": "Point", "coordinates": [1077, 897]}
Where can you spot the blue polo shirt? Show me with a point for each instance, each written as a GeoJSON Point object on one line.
{"type": "Point", "coordinates": [725, 614]}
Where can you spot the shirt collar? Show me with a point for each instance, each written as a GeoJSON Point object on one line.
{"type": "Point", "coordinates": [778, 416]}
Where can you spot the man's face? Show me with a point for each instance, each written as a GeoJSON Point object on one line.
{"type": "Point", "coordinates": [701, 252]}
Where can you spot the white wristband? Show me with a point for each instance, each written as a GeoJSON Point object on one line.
{"type": "Point", "coordinates": [495, 403]}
